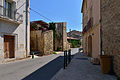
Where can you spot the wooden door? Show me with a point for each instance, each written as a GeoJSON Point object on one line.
{"type": "Point", "coordinates": [9, 47]}
{"type": "Point", "coordinates": [90, 46]}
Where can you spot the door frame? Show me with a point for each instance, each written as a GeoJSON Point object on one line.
{"type": "Point", "coordinates": [90, 45]}
{"type": "Point", "coordinates": [12, 55]}
{"type": "Point", "coordinates": [15, 41]}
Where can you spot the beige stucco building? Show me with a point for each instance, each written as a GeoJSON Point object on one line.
{"type": "Point", "coordinates": [14, 29]}
{"type": "Point", "coordinates": [101, 25]}
{"type": "Point", "coordinates": [91, 27]}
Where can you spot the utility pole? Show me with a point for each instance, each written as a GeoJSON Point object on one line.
{"type": "Point", "coordinates": [26, 28]}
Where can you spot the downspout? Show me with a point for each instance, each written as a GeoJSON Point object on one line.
{"type": "Point", "coordinates": [100, 27]}
{"type": "Point", "coordinates": [26, 27]}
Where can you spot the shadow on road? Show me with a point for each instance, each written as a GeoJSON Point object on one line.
{"type": "Point", "coordinates": [48, 71]}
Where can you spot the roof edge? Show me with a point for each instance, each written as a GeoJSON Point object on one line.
{"type": "Point", "coordinates": [82, 6]}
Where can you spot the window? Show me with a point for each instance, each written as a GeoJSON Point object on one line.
{"type": "Point", "coordinates": [7, 9]}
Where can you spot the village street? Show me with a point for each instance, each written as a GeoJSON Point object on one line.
{"type": "Point", "coordinates": [81, 68]}
{"type": "Point", "coordinates": [59, 40]}
{"type": "Point", "coordinates": [43, 68]}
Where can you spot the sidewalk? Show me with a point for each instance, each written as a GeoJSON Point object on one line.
{"type": "Point", "coordinates": [80, 68]}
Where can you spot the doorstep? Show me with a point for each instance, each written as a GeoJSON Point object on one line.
{"type": "Point", "coordinates": [6, 61]}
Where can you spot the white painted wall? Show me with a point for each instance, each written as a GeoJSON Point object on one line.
{"type": "Point", "coordinates": [18, 30]}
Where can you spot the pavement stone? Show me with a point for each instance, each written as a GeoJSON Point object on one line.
{"type": "Point", "coordinates": [80, 68]}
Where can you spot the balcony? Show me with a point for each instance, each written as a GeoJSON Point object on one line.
{"type": "Point", "coordinates": [10, 15]}
{"type": "Point", "coordinates": [88, 26]}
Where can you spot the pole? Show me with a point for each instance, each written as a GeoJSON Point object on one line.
{"type": "Point", "coordinates": [69, 54]}
{"type": "Point", "coordinates": [26, 26]}
{"type": "Point", "coordinates": [64, 59]}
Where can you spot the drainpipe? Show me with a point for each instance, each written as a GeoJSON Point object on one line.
{"type": "Point", "coordinates": [26, 26]}
{"type": "Point", "coordinates": [100, 27]}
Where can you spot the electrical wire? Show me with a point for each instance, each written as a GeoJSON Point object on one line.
{"type": "Point", "coordinates": [40, 14]}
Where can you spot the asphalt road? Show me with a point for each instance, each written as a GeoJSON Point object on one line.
{"type": "Point", "coordinates": [43, 68]}
{"type": "Point", "coordinates": [81, 68]}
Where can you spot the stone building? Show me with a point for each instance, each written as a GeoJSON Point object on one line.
{"type": "Point", "coordinates": [61, 36]}
{"type": "Point", "coordinates": [39, 25]}
{"type": "Point", "coordinates": [75, 34]}
{"type": "Point", "coordinates": [101, 25]}
{"type": "Point", "coordinates": [14, 29]}
{"type": "Point", "coordinates": [41, 39]}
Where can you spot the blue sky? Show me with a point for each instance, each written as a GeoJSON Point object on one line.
{"type": "Point", "coordinates": [59, 11]}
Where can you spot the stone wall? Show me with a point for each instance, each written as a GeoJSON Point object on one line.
{"type": "Point", "coordinates": [117, 65]}
{"type": "Point", "coordinates": [65, 42]}
{"type": "Point", "coordinates": [36, 41]}
{"type": "Point", "coordinates": [110, 24]}
{"type": "Point", "coordinates": [61, 37]}
{"type": "Point", "coordinates": [110, 14]}
{"type": "Point", "coordinates": [48, 42]}
{"type": "Point", "coordinates": [42, 42]}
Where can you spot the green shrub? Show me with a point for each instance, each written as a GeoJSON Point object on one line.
{"type": "Point", "coordinates": [54, 52]}
{"type": "Point", "coordinates": [59, 49]}
{"type": "Point", "coordinates": [75, 43]}
{"type": "Point", "coordinates": [52, 26]}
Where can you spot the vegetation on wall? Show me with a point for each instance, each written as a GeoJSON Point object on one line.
{"type": "Point", "coordinates": [75, 43]}
{"type": "Point", "coordinates": [59, 49]}
{"type": "Point", "coordinates": [34, 27]}
{"type": "Point", "coordinates": [53, 27]}
{"type": "Point", "coordinates": [54, 52]}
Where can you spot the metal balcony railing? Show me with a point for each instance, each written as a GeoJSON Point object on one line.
{"type": "Point", "coordinates": [88, 26]}
{"type": "Point", "coordinates": [10, 14]}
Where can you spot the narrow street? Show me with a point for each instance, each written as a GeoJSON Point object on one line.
{"type": "Point", "coordinates": [80, 68]}
{"type": "Point", "coordinates": [59, 40]}
{"type": "Point", "coordinates": [43, 68]}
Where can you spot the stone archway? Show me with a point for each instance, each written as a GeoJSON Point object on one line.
{"type": "Point", "coordinates": [90, 46]}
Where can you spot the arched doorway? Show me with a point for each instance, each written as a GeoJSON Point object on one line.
{"type": "Point", "coordinates": [90, 46]}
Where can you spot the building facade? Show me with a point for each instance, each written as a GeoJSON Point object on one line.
{"type": "Point", "coordinates": [91, 27]}
{"type": "Point", "coordinates": [14, 29]}
{"type": "Point", "coordinates": [110, 31]}
{"type": "Point", "coordinates": [101, 35]}
{"type": "Point", "coordinates": [61, 36]}
{"type": "Point", "coordinates": [75, 35]}
{"type": "Point", "coordinates": [41, 38]}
